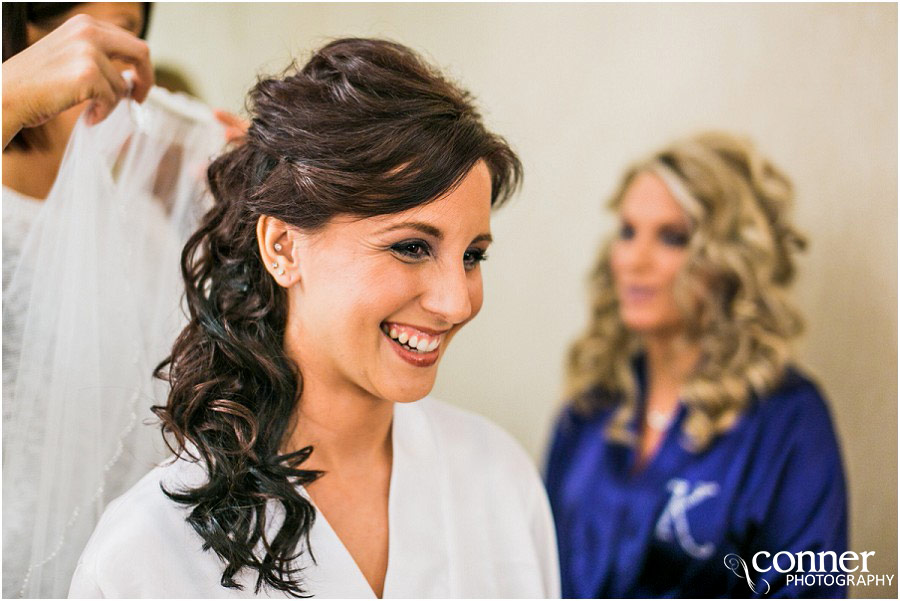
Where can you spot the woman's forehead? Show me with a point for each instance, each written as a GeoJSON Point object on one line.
{"type": "Point", "coordinates": [465, 207]}
{"type": "Point", "coordinates": [648, 197]}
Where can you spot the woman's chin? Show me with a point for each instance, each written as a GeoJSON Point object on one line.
{"type": "Point", "coordinates": [412, 400]}
{"type": "Point", "coordinates": [410, 391]}
{"type": "Point", "coordinates": [652, 327]}
{"type": "Point", "coordinates": [639, 324]}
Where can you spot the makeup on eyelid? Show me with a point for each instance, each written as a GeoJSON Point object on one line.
{"type": "Point", "coordinates": [673, 234]}
{"type": "Point", "coordinates": [418, 250]}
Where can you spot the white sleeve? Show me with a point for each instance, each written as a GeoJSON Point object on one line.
{"type": "Point", "coordinates": [84, 585]}
{"type": "Point", "coordinates": [543, 532]}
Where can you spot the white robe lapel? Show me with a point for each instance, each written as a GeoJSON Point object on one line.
{"type": "Point", "coordinates": [418, 546]}
{"type": "Point", "coordinates": [419, 556]}
{"type": "Point", "coordinates": [335, 574]}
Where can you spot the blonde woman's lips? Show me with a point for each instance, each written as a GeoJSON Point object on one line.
{"type": "Point", "coordinates": [639, 294]}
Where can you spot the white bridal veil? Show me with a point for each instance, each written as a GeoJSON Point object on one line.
{"type": "Point", "coordinates": [92, 307]}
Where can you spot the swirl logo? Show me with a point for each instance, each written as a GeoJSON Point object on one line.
{"type": "Point", "coordinates": [736, 564]}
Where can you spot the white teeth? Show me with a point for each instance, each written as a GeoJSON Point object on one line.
{"type": "Point", "coordinates": [417, 342]}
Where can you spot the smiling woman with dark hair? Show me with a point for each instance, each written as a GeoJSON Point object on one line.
{"type": "Point", "coordinates": [341, 257]}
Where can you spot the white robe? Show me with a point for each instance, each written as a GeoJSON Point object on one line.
{"type": "Point", "coordinates": [468, 517]}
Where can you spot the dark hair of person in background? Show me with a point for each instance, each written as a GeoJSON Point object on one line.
{"type": "Point", "coordinates": [48, 16]}
{"type": "Point", "coordinates": [365, 128]}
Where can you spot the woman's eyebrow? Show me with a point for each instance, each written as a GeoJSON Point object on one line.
{"type": "Point", "coordinates": [425, 228]}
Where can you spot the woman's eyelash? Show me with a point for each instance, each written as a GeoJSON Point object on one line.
{"type": "Point", "coordinates": [416, 250]}
{"type": "Point", "coordinates": [474, 257]}
{"type": "Point", "coordinates": [412, 249]}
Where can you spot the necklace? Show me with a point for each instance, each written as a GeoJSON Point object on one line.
{"type": "Point", "coordinates": [659, 420]}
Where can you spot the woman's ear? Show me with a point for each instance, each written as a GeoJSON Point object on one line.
{"type": "Point", "coordinates": [276, 247]}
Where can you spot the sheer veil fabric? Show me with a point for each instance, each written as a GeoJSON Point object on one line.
{"type": "Point", "coordinates": [95, 299]}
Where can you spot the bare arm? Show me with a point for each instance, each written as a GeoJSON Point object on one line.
{"type": "Point", "coordinates": [70, 65]}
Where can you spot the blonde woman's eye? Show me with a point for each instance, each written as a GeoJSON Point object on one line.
{"type": "Point", "coordinates": [626, 232]}
{"type": "Point", "coordinates": [677, 239]}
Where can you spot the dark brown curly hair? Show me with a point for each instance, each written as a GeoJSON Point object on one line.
{"type": "Point", "coordinates": [365, 128]}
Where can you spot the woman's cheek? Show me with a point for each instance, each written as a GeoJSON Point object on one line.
{"type": "Point", "coordinates": [476, 297]}
{"type": "Point", "coordinates": [617, 259]}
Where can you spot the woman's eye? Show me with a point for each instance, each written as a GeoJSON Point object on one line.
{"type": "Point", "coordinates": [626, 232]}
{"type": "Point", "coordinates": [473, 257]}
{"type": "Point", "coordinates": [675, 238]}
{"type": "Point", "coordinates": [414, 249]}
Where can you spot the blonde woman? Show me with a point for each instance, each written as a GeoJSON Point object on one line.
{"type": "Point", "coordinates": [692, 451]}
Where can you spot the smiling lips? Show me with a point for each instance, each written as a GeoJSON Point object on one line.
{"type": "Point", "coordinates": [413, 345]}
{"type": "Point", "coordinates": [412, 338]}
{"type": "Point", "coordinates": [638, 294]}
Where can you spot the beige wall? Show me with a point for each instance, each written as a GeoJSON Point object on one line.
{"type": "Point", "coordinates": [581, 90]}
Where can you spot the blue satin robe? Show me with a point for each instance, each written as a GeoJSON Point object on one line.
{"type": "Point", "coordinates": [773, 483]}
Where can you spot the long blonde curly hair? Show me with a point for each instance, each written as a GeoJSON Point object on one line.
{"type": "Point", "coordinates": [731, 291]}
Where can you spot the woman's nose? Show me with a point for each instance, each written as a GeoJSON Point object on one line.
{"type": "Point", "coordinates": [639, 254]}
{"type": "Point", "coordinates": [447, 294]}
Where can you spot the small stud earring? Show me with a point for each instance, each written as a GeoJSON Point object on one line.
{"type": "Point", "coordinates": [275, 265]}
{"type": "Point", "coordinates": [278, 247]}
{"type": "Point", "coordinates": [281, 271]}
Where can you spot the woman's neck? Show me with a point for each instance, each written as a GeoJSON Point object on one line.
{"type": "Point", "coordinates": [670, 361]}
{"type": "Point", "coordinates": [348, 431]}
{"type": "Point", "coordinates": [32, 172]}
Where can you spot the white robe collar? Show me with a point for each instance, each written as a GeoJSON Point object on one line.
{"type": "Point", "coordinates": [418, 544]}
